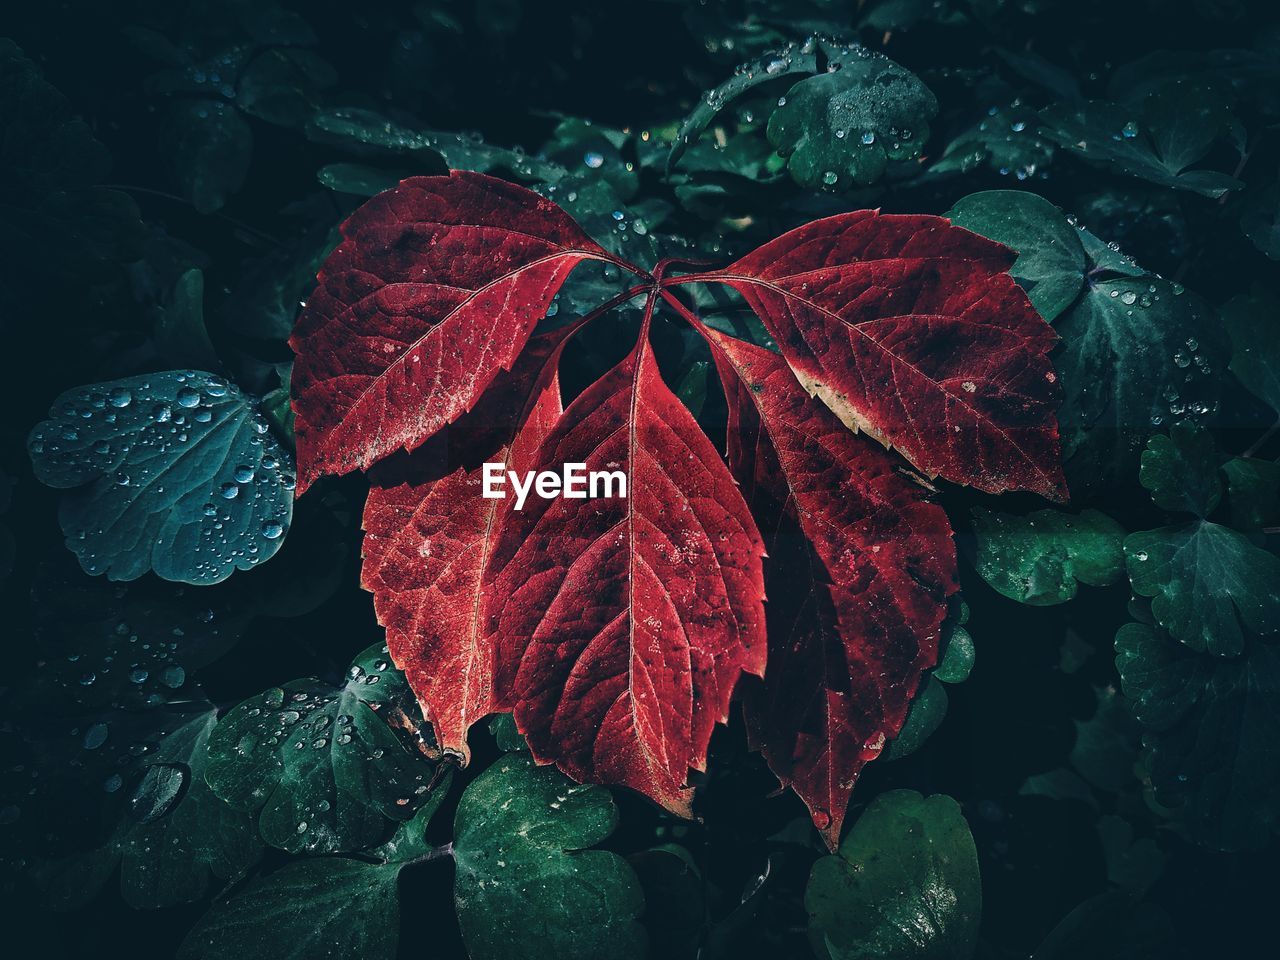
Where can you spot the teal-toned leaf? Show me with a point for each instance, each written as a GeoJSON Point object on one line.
{"type": "Point", "coordinates": [1051, 261]}
{"type": "Point", "coordinates": [59, 223]}
{"type": "Point", "coordinates": [1253, 490]}
{"type": "Point", "coordinates": [790, 60]}
{"type": "Point", "coordinates": [1006, 140]}
{"type": "Point", "coordinates": [843, 128]}
{"type": "Point", "coordinates": [840, 127]}
{"type": "Point", "coordinates": [904, 884]}
{"type": "Point", "coordinates": [323, 907]}
{"type": "Point", "coordinates": [925, 715]}
{"type": "Point", "coordinates": [505, 734]}
{"type": "Point", "coordinates": [1207, 584]}
{"type": "Point", "coordinates": [1133, 863]}
{"type": "Point", "coordinates": [277, 408]}
{"type": "Point", "coordinates": [1212, 731]}
{"type": "Point", "coordinates": [526, 886]}
{"type": "Point", "coordinates": [1106, 747]}
{"type": "Point", "coordinates": [957, 658]}
{"type": "Point", "coordinates": [1111, 926]}
{"type": "Point", "coordinates": [359, 179]}
{"type": "Point", "coordinates": [1253, 322]}
{"type": "Point", "coordinates": [1139, 352]}
{"type": "Point", "coordinates": [181, 335]}
{"type": "Point", "coordinates": [174, 835]}
{"type": "Point", "coordinates": [175, 472]}
{"type": "Point", "coordinates": [1261, 220]}
{"type": "Point", "coordinates": [281, 85]}
{"type": "Point", "coordinates": [321, 765]}
{"type": "Point", "coordinates": [1181, 470]}
{"type": "Point", "coordinates": [1157, 139]}
{"type": "Point", "coordinates": [355, 127]}
{"type": "Point", "coordinates": [131, 646]}
{"type": "Point", "coordinates": [210, 147]}
{"type": "Point", "coordinates": [1041, 558]}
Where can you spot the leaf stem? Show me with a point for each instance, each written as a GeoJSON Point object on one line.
{"type": "Point", "coordinates": [435, 853]}
{"type": "Point", "coordinates": [1262, 440]}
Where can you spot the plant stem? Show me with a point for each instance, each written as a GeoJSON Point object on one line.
{"type": "Point", "coordinates": [1261, 441]}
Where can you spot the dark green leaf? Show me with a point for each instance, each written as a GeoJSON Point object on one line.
{"type": "Point", "coordinates": [326, 907]}
{"type": "Point", "coordinates": [59, 224]}
{"type": "Point", "coordinates": [1261, 220]}
{"type": "Point", "coordinates": [1051, 261]}
{"type": "Point", "coordinates": [843, 128]}
{"type": "Point", "coordinates": [1213, 733]}
{"type": "Point", "coordinates": [1253, 322]}
{"type": "Point", "coordinates": [211, 145]}
{"type": "Point", "coordinates": [526, 886]}
{"type": "Point", "coordinates": [1253, 489]}
{"type": "Point", "coordinates": [321, 765]}
{"type": "Point", "coordinates": [905, 884]}
{"type": "Point", "coordinates": [1038, 558]}
{"type": "Point", "coordinates": [1181, 470]}
{"type": "Point", "coordinates": [928, 710]}
{"type": "Point", "coordinates": [174, 834]}
{"type": "Point", "coordinates": [1207, 583]}
{"type": "Point", "coordinates": [175, 472]}
{"type": "Point", "coordinates": [181, 335]}
{"type": "Point", "coordinates": [1157, 139]}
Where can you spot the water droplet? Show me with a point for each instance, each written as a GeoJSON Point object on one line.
{"type": "Point", "coordinates": [188, 397]}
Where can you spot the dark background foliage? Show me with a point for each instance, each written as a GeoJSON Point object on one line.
{"type": "Point", "coordinates": [1038, 745]}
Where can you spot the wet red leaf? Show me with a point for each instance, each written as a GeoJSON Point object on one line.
{"type": "Point", "coordinates": [911, 331]}
{"type": "Point", "coordinates": [616, 629]}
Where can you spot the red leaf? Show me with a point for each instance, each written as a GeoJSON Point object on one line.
{"type": "Point", "coordinates": [909, 329]}
{"type": "Point", "coordinates": [616, 628]}
{"type": "Point", "coordinates": [640, 612]}
{"type": "Point", "coordinates": [435, 287]}
{"type": "Point", "coordinates": [428, 541]}
{"type": "Point", "coordinates": [859, 569]}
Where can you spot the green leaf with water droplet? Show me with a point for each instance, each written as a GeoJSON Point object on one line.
{"type": "Point", "coordinates": [363, 130]}
{"type": "Point", "coordinates": [1006, 140]}
{"type": "Point", "coordinates": [1212, 733]}
{"type": "Point", "coordinates": [924, 717]}
{"type": "Point", "coordinates": [134, 646]}
{"type": "Point", "coordinates": [1041, 558]}
{"type": "Point", "coordinates": [1157, 137]}
{"type": "Point", "coordinates": [322, 765]}
{"type": "Point", "coordinates": [526, 885]}
{"type": "Point", "coordinates": [1207, 584]}
{"type": "Point", "coordinates": [175, 472]}
{"type": "Point", "coordinates": [173, 836]}
{"type": "Point", "coordinates": [1139, 352]}
{"type": "Point", "coordinates": [1181, 470]}
{"type": "Point", "coordinates": [904, 884]}
{"type": "Point", "coordinates": [957, 657]}
{"type": "Point", "coordinates": [1253, 491]}
{"type": "Point", "coordinates": [1051, 260]}
{"type": "Point", "coordinates": [844, 128]}
{"type": "Point", "coordinates": [210, 147]}
{"type": "Point", "coordinates": [322, 907]}
{"type": "Point", "coordinates": [1252, 320]}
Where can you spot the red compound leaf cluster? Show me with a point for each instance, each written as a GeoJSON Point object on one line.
{"type": "Point", "coordinates": [615, 629]}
